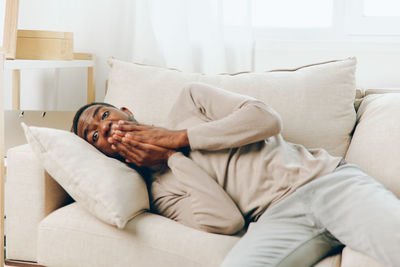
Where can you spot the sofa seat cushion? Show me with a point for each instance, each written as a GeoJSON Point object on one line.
{"type": "Point", "coordinates": [70, 236]}
{"type": "Point", "coordinates": [331, 261]}
{"type": "Point", "coordinates": [316, 102]}
{"type": "Point", "coordinates": [352, 258]}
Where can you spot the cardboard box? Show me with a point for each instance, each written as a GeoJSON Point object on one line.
{"type": "Point", "coordinates": [14, 134]}
{"type": "Point", "coordinates": [45, 45]}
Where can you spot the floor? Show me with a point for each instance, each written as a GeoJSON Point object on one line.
{"type": "Point", "coordinates": [21, 264]}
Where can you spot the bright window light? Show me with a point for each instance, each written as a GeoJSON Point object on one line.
{"type": "Point", "coordinates": [235, 12]}
{"type": "Point", "coordinates": [382, 8]}
{"type": "Point", "coordinates": [292, 13]}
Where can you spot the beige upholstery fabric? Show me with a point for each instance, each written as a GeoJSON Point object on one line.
{"type": "Point", "coordinates": [352, 258]}
{"type": "Point", "coordinates": [72, 237]}
{"type": "Point", "coordinates": [104, 186]}
{"type": "Point", "coordinates": [67, 235]}
{"type": "Point", "coordinates": [30, 194]}
{"type": "Point", "coordinates": [331, 261]}
{"type": "Point", "coordinates": [375, 146]}
{"type": "Point", "coordinates": [23, 199]}
{"type": "Point", "coordinates": [316, 103]}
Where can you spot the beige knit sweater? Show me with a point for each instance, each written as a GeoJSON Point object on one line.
{"type": "Point", "coordinates": [239, 164]}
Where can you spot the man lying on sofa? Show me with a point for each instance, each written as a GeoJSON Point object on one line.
{"type": "Point", "coordinates": [300, 204]}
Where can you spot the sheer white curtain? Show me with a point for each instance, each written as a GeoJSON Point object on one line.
{"type": "Point", "coordinates": [194, 35]}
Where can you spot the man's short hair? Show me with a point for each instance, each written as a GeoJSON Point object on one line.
{"type": "Point", "coordinates": [82, 109]}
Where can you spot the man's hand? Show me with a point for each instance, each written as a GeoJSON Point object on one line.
{"type": "Point", "coordinates": [141, 154]}
{"type": "Point", "coordinates": [151, 135]}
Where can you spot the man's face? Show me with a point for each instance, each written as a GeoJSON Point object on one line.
{"type": "Point", "coordinates": [95, 125]}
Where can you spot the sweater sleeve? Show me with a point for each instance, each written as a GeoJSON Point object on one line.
{"type": "Point", "coordinates": [187, 194]}
{"type": "Point", "coordinates": [233, 120]}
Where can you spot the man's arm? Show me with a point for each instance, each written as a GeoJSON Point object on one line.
{"type": "Point", "coordinates": [128, 132]}
{"type": "Point", "coordinates": [187, 194]}
{"type": "Point", "coordinates": [233, 120]}
{"type": "Point", "coordinates": [142, 154]}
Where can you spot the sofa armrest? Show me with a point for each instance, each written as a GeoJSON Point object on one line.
{"type": "Point", "coordinates": [30, 195]}
{"type": "Point", "coordinates": [375, 146]}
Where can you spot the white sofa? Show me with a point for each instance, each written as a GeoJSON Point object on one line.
{"type": "Point", "coordinates": [43, 225]}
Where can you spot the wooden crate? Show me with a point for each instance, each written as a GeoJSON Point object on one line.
{"type": "Point", "coordinates": [45, 45]}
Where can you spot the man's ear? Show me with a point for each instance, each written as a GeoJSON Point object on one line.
{"type": "Point", "coordinates": [127, 111]}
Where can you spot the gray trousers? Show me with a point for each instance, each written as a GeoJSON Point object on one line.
{"type": "Point", "coordinates": [346, 207]}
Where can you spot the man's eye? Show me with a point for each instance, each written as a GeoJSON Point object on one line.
{"type": "Point", "coordinates": [95, 136]}
{"type": "Point", "coordinates": [105, 115]}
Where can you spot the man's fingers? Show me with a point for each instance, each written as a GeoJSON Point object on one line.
{"type": "Point", "coordinates": [138, 153]}
{"type": "Point", "coordinates": [142, 147]}
{"type": "Point", "coordinates": [134, 137]}
{"type": "Point", "coordinates": [131, 142]}
{"type": "Point", "coordinates": [127, 127]}
{"type": "Point", "coordinates": [129, 145]}
{"type": "Point", "coordinates": [118, 132]}
{"type": "Point", "coordinates": [130, 157]}
{"type": "Point", "coordinates": [132, 123]}
{"type": "Point", "coordinates": [125, 152]}
{"type": "Point", "coordinates": [117, 137]}
{"type": "Point", "coordinates": [124, 127]}
{"type": "Point", "coordinates": [139, 146]}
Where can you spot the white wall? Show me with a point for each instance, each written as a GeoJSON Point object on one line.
{"type": "Point", "coordinates": [106, 27]}
{"type": "Point", "coordinates": [102, 27]}
{"type": "Point", "coordinates": [378, 64]}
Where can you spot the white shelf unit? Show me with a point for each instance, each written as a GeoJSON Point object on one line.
{"type": "Point", "coordinates": [17, 65]}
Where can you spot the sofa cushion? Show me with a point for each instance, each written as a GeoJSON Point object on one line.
{"type": "Point", "coordinates": [104, 186]}
{"type": "Point", "coordinates": [331, 261]}
{"type": "Point", "coordinates": [375, 146]}
{"type": "Point", "coordinates": [316, 102]}
{"type": "Point", "coordinates": [352, 258]}
{"type": "Point", "coordinates": [72, 237]}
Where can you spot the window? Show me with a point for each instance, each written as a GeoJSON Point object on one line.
{"type": "Point", "coordinates": [381, 8]}
{"type": "Point", "coordinates": [373, 17]}
{"type": "Point", "coordinates": [315, 19]}
{"type": "Point", "coordinates": [291, 14]}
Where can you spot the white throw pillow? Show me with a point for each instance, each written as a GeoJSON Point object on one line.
{"type": "Point", "coordinates": [104, 186]}
{"type": "Point", "coordinates": [316, 102]}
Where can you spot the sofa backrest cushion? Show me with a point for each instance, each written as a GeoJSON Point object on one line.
{"type": "Point", "coordinates": [375, 146]}
{"type": "Point", "coordinates": [316, 102]}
